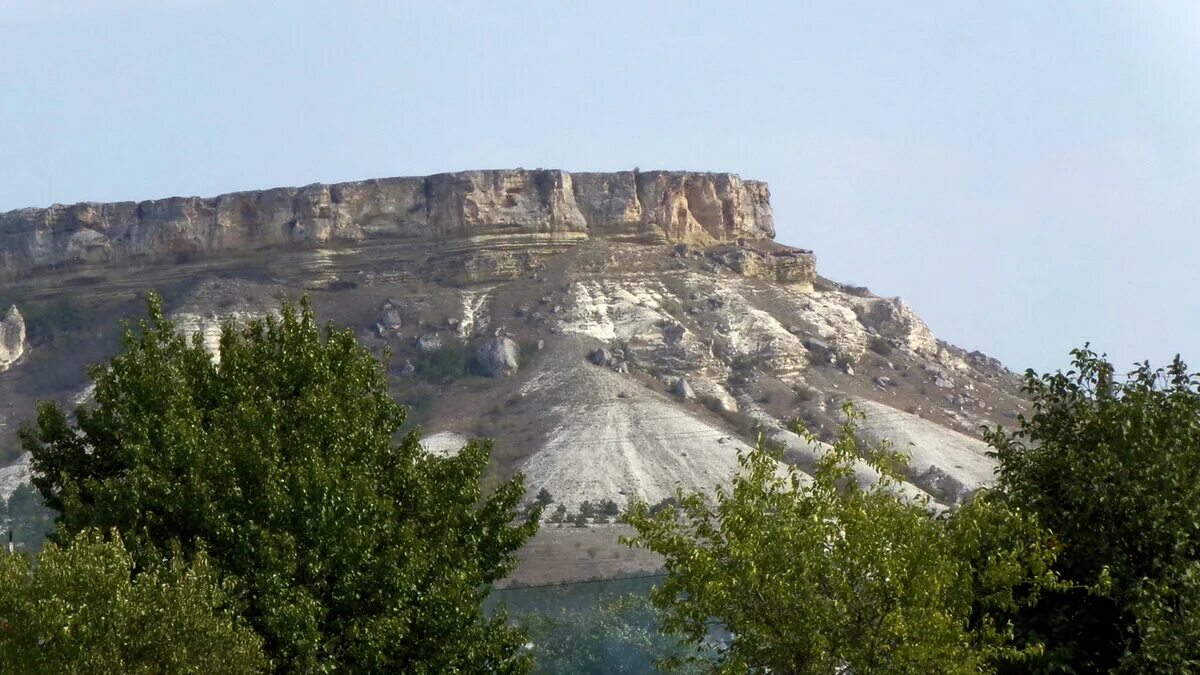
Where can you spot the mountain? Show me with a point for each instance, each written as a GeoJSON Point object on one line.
{"type": "Point", "coordinates": [618, 334]}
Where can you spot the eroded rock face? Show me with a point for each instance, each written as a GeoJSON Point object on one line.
{"type": "Point", "coordinates": [12, 337]}
{"type": "Point", "coordinates": [489, 208]}
{"type": "Point", "coordinates": [893, 318]}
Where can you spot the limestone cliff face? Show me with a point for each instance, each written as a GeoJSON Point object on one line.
{"type": "Point", "coordinates": [12, 338]}
{"type": "Point", "coordinates": [479, 208]}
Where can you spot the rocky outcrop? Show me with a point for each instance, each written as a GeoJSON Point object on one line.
{"type": "Point", "coordinates": [481, 209]}
{"type": "Point", "coordinates": [12, 337]}
{"type": "Point", "coordinates": [497, 357]}
{"type": "Point", "coordinates": [784, 264]}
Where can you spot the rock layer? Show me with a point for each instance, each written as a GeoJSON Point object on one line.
{"type": "Point", "coordinates": [488, 209]}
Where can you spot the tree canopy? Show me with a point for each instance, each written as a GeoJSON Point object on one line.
{"type": "Point", "coordinates": [349, 545]}
{"type": "Point", "coordinates": [1112, 466]}
{"type": "Point", "coordinates": [794, 575]}
{"type": "Point", "coordinates": [82, 610]}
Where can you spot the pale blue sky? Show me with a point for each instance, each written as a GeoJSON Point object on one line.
{"type": "Point", "coordinates": [1025, 174]}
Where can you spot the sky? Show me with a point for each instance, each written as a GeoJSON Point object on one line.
{"type": "Point", "coordinates": [1026, 175]}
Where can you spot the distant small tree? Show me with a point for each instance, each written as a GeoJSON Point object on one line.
{"type": "Point", "coordinates": [609, 508]}
{"type": "Point", "coordinates": [559, 515]}
{"type": "Point", "coordinates": [544, 497]}
{"type": "Point", "coordinates": [580, 520]}
{"type": "Point", "coordinates": [81, 609]}
{"type": "Point", "coordinates": [586, 509]}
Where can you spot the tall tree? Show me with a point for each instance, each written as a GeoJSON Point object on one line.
{"type": "Point", "coordinates": [352, 548]}
{"type": "Point", "coordinates": [824, 576]}
{"type": "Point", "coordinates": [82, 610]}
{"type": "Point", "coordinates": [1112, 466]}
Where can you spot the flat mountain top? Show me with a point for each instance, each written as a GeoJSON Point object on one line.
{"type": "Point", "coordinates": [619, 335]}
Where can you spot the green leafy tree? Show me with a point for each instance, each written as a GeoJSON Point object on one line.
{"type": "Point", "coordinates": [1112, 466]}
{"type": "Point", "coordinates": [82, 610]}
{"type": "Point", "coordinates": [352, 547]}
{"type": "Point", "coordinates": [825, 576]}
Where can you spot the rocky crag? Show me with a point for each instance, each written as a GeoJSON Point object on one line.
{"type": "Point", "coordinates": [493, 209]}
{"type": "Point", "coordinates": [619, 335]}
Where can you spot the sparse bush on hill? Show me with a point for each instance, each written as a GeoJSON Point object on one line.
{"type": "Point", "coordinates": [881, 346]}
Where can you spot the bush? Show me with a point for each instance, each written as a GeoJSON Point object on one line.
{"type": "Point", "coordinates": [880, 345]}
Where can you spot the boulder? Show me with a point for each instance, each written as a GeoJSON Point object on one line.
{"type": "Point", "coordinates": [600, 357]}
{"type": "Point", "coordinates": [390, 319]}
{"type": "Point", "coordinates": [819, 346]}
{"type": "Point", "coordinates": [497, 357]}
{"type": "Point", "coordinates": [429, 343]}
{"type": "Point", "coordinates": [683, 390]}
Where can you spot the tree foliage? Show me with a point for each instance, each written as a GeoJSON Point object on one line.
{"type": "Point", "coordinates": [81, 610]}
{"type": "Point", "coordinates": [825, 576]}
{"type": "Point", "coordinates": [352, 548]}
{"type": "Point", "coordinates": [1112, 466]}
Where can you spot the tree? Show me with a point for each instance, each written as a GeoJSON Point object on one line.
{"type": "Point", "coordinates": [586, 509]}
{"type": "Point", "coordinates": [560, 514]}
{"type": "Point", "coordinates": [609, 507]}
{"type": "Point", "coordinates": [1112, 466]}
{"type": "Point", "coordinates": [81, 610]}
{"type": "Point", "coordinates": [352, 548]}
{"type": "Point", "coordinates": [544, 497]}
{"type": "Point", "coordinates": [824, 576]}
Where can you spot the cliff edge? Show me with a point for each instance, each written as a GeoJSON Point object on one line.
{"type": "Point", "coordinates": [500, 208]}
